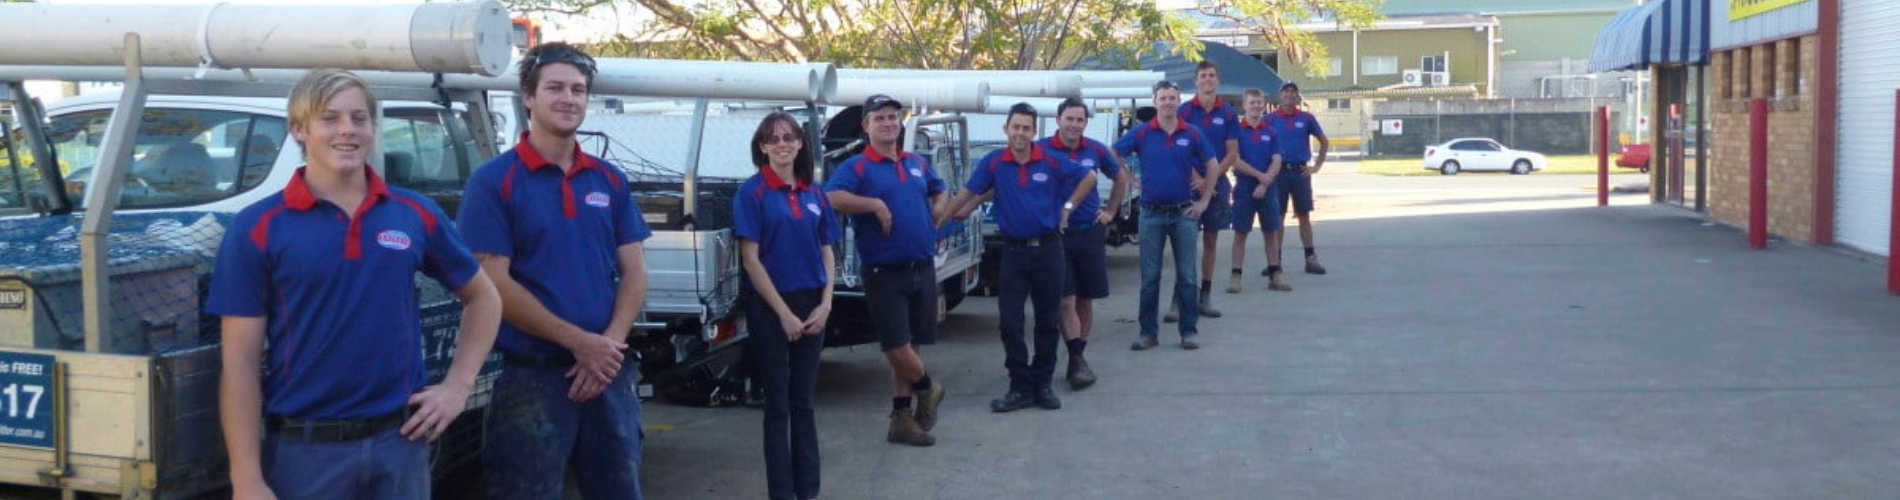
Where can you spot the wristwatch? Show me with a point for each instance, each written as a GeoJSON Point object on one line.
{"type": "Point", "coordinates": [1068, 205]}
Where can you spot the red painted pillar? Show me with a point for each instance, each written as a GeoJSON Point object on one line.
{"type": "Point", "coordinates": [1603, 156]}
{"type": "Point", "coordinates": [1758, 174]}
{"type": "Point", "coordinates": [1893, 220]}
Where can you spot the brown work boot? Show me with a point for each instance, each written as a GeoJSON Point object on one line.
{"type": "Point", "coordinates": [1080, 376]}
{"type": "Point", "coordinates": [927, 401]}
{"type": "Point", "coordinates": [904, 430]}
{"type": "Point", "coordinates": [1313, 267]}
{"type": "Point", "coordinates": [1277, 282]}
{"type": "Point", "coordinates": [1233, 281]}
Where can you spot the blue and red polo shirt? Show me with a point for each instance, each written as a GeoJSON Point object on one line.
{"type": "Point", "coordinates": [338, 293]}
{"type": "Point", "coordinates": [1257, 148]}
{"type": "Point", "coordinates": [1090, 153]}
{"type": "Point", "coordinates": [1166, 160]}
{"type": "Point", "coordinates": [1294, 131]}
{"type": "Point", "coordinates": [1029, 191]}
{"type": "Point", "coordinates": [561, 230]}
{"type": "Point", "coordinates": [906, 184]}
{"type": "Point", "coordinates": [792, 223]}
{"type": "Point", "coordinates": [1220, 125]}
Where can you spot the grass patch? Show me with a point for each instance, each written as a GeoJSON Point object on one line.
{"type": "Point", "coordinates": [1558, 165]}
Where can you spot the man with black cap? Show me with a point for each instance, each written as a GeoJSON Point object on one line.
{"type": "Point", "coordinates": [893, 199]}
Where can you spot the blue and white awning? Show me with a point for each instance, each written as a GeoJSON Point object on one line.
{"type": "Point", "coordinates": [1658, 32]}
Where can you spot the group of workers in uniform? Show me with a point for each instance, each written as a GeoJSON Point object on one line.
{"type": "Point", "coordinates": [324, 394]}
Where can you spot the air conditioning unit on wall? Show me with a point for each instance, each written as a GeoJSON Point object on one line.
{"type": "Point", "coordinates": [1438, 78]}
{"type": "Point", "coordinates": [1412, 77]}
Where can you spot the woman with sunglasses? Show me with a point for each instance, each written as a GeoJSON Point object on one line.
{"type": "Point", "coordinates": [786, 228]}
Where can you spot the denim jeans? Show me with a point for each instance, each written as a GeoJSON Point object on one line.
{"type": "Point", "coordinates": [534, 433]}
{"type": "Point", "coordinates": [385, 466]}
{"type": "Point", "coordinates": [1159, 225]}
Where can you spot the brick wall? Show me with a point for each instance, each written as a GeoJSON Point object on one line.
{"type": "Point", "coordinates": [1775, 71]}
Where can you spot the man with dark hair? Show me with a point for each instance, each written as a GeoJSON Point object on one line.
{"type": "Point", "coordinates": [1173, 194]}
{"type": "Point", "coordinates": [1217, 120]}
{"type": "Point", "coordinates": [1295, 130]}
{"type": "Point", "coordinates": [894, 200]}
{"type": "Point", "coordinates": [560, 234]}
{"type": "Point", "coordinates": [1035, 192]}
{"type": "Point", "coordinates": [1085, 242]}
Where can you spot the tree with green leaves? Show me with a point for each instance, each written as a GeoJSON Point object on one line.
{"type": "Point", "coordinates": [928, 34]}
{"type": "Point", "coordinates": [1275, 22]}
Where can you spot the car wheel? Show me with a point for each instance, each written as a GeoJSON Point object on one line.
{"type": "Point", "coordinates": [1449, 168]}
{"type": "Point", "coordinates": [1521, 167]}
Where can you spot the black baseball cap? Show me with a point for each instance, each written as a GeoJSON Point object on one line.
{"type": "Point", "coordinates": [881, 101]}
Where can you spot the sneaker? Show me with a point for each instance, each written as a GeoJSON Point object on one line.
{"type": "Point", "coordinates": [904, 430]}
{"type": "Point", "coordinates": [1190, 344]}
{"type": "Point", "coordinates": [927, 401]}
{"type": "Point", "coordinates": [1144, 344]}
{"type": "Point", "coordinates": [1233, 281]}
{"type": "Point", "coordinates": [1313, 267]}
{"type": "Point", "coordinates": [1277, 282]}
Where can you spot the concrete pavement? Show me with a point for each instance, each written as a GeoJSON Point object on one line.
{"type": "Point", "coordinates": [1483, 342]}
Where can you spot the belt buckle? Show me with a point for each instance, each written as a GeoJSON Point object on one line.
{"type": "Point", "coordinates": [1034, 242]}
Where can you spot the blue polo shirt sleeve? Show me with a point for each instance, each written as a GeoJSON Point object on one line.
{"type": "Point", "coordinates": [240, 279]}
{"type": "Point", "coordinates": [1125, 146]}
{"type": "Point", "coordinates": [745, 211]}
{"type": "Point", "coordinates": [1106, 162]}
{"type": "Point", "coordinates": [1070, 172]}
{"type": "Point", "coordinates": [1231, 130]}
{"type": "Point", "coordinates": [483, 217]}
{"type": "Point", "coordinates": [982, 178]}
{"type": "Point", "coordinates": [829, 229]}
{"type": "Point", "coordinates": [1312, 124]}
{"type": "Point", "coordinates": [629, 226]}
{"type": "Point", "coordinates": [1207, 148]}
{"type": "Point", "coordinates": [447, 258]}
{"type": "Point", "coordinates": [932, 182]}
{"type": "Point", "coordinates": [845, 177]}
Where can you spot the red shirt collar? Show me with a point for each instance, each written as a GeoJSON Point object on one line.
{"type": "Point", "coordinates": [1056, 140]}
{"type": "Point", "coordinates": [1035, 154]}
{"type": "Point", "coordinates": [1196, 102]}
{"type": "Point", "coordinates": [298, 196]}
{"type": "Point", "coordinates": [1284, 112]}
{"type": "Point", "coordinates": [872, 154]}
{"type": "Point", "coordinates": [535, 161]}
{"type": "Point", "coordinates": [773, 181]}
{"type": "Point", "coordinates": [1256, 125]}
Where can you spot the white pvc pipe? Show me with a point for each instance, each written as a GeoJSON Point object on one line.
{"type": "Point", "coordinates": [1089, 78]}
{"type": "Point", "coordinates": [1037, 84]}
{"type": "Point", "coordinates": [936, 94]}
{"type": "Point", "coordinates": [633, 77]}
{"type": "Point", "coordinates": [437, 37]}
{"type": "Point", "coordinates": [1045, 106]}
{"type": "Point", "coordinates": [1119, 92]}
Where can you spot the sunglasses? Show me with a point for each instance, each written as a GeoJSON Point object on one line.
{"type": "Point", "coordinates": [771, 139]}
{"type": "Point", "coordinates": [579, 60]}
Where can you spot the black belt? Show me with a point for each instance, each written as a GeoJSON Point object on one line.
{"type": "Point", "coordinates": [903, 266]}
{"type": "Point", "coordinates": [332, 430]}
{"type": "Point", "coordinates": [554, 360]}
{"type": "Point", "coordinates": [1169, 207]}
{"type": "Point", "coordinates": [1048, 238]}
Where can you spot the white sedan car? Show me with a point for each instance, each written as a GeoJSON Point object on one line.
{"type": "Point", "coordinates": [1480, 154]}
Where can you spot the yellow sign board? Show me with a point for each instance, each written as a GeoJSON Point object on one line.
{"type": "Point", "coordinates": [1738, 9]}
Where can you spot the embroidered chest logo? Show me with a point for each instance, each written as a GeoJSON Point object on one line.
{"type": "Point", "coordinates": [916, 172]}
{"type": "Point", "coordinates": [1220, 121]}
{"type": "Point", "coordinates": [393, 239]}
{"type": "Point", "coordinates": [813, 207]}
{"type": "Point", "coordinates": [1181, 142]}
{"type": "Point", "coordinates": [1088, 162]}
{"type": "Point", "coordinates": [598, 199]}
{"type": "Point", "coordinates": [1039, 177]}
